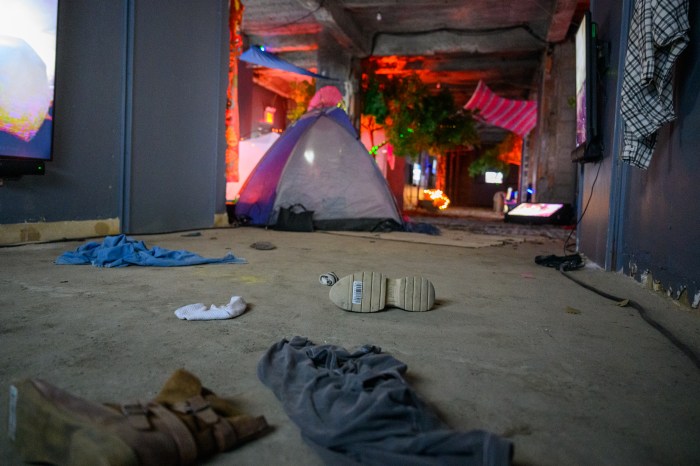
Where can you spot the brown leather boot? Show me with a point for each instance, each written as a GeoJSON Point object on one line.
{"type": "Point", "coordinates": [215, 423]}
{"type": "Point", "coordinates": [49, 425]}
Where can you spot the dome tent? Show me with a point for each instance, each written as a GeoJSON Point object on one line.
{"type": "Point", "coordinates": [320, 163]}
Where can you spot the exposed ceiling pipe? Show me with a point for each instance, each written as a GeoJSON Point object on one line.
{"type": "Point", "coordinates": [310, 4]}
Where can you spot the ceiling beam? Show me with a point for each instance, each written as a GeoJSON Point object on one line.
{"type": "Point", "coordinates": [438, 42]}
{"type": "Point", "coordinates": [561, 20]}
{"type": "Point", "coordinates": [356, 4]}
{"type": "Point", "coordinates": [332, 16]}
{"type": "Point", "coordinates": [448, 63]}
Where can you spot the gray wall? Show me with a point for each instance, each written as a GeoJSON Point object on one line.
{"type": "Point", "coordinates": [596, 180]}
{"type": "Point", "coordinates": [662, 215]}
{"type": "Point", "coordinates": [140, 96]}
{"type": "Point", "coordinates": [177, 136]}
{"type": "Point", "coordinates": [646, 221]}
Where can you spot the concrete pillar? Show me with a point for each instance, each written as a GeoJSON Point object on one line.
{"type": "Point", "coordinates": [343, 71]}
{"type": "Point", "coordinates": [555, 175]}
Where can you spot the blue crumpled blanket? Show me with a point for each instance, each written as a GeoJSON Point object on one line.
{"type": "Point", "coordinates": [121, 251]}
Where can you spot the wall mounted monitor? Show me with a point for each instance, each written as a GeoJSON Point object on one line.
{"type": "Point", "coordinates": [27, 76]}
{"type": "Point", "coordinates": [587, 147]}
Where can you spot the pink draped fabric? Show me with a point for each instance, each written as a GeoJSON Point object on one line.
{"type": "Point", "coordinates": [518, 116]}
{"type": "Point", "coordinates": [327, 96]}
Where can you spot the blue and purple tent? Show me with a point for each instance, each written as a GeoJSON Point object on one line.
{"type": "Point", "coordinates": [319, 162]}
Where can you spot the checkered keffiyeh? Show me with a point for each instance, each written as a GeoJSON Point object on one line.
{"type": "Point", "coordinates": [658, 34]}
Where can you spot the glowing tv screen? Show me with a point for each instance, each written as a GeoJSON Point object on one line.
{"type": "Point", "coordinates": [535, 210]}
{"type": "Point", "coordinates": [587, 142]}
{"type": "Point", "coordinates": [582, 101]}
{"type": "Point", "coordinates": [27, 74]}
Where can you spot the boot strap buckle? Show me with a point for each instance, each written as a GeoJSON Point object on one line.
{"type": "Point", "coordinates": [137, 415]}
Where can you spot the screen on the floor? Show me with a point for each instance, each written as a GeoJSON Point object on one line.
{"type": "Point", "coordinates": [535, 210]}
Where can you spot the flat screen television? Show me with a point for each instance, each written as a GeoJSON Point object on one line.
{"type": "Point", "coordinates": [27, 77]}
{"type": "Point", "coordinates": [537, 214]}
{"type": "Point", "coordinates": [588, 141]}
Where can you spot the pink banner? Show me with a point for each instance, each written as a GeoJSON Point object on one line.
{"type": "Point", "coordinates": [518, 116]}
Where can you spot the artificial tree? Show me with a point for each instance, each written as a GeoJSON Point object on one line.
{"type": "Point", "coordinates": [498, 158]}
{"type": "Point", "coordinates": [302, 92]}
{"type": "Point", "coordinates": [416, 120]}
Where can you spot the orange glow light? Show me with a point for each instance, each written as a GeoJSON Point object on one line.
{"type": "Point", "coordinates": [439, 199]}
{"type": "Point", "coordinates": [269, 117]}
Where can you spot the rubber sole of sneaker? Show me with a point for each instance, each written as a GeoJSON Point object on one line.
{"type": "Point", "coordinates": [373, 291]}
{"type": "Point", "coordinates": [44, 432]}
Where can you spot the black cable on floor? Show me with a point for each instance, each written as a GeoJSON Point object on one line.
{"type": "Point", "coordinates": [575, 228]}
{"type": "Point", "coordinates": [643, 314]}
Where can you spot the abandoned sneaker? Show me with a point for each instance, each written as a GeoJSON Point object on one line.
{"type": "Point", "coordinates": [373, 291]}
{"type": "Point", "coordinates": [328, 279]}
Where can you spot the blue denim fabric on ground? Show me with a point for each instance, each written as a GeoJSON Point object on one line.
{"type": "Point", "coordinates": [121, 251]}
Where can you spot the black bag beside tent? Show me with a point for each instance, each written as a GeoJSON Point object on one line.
{"type": "Point", "coordinates": [295, 218]}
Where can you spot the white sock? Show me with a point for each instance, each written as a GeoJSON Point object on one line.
{"type": "Point", "coordinates": [199, 311]}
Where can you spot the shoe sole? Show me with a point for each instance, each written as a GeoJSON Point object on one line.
{"type": "Point", "coordinates": [44, 432]}
{"type": "Point", "coordinates": [373, 291]}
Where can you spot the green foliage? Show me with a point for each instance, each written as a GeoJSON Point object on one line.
{"type": "Point", "coordinates": [416, 120]}
{"type": "Point", "coordinates": [497, 158]}
{"type": "Point", "coordinates": [302, 93]}
{"type": "Point", "coordinates": [374, 102]}
{"type": "Point", "coordinates": [488, 162]}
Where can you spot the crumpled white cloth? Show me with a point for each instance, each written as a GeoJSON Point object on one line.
{"type": "Point", "coordinates": [199, 311]}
